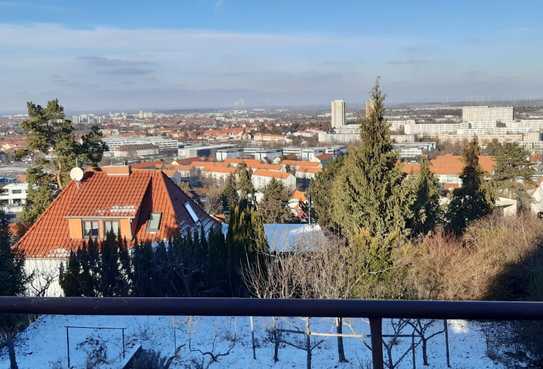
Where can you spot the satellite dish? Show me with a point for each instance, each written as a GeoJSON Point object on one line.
{"type": "Point", "coordinates": [76, 174]}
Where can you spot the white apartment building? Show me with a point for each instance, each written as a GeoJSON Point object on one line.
{"type": "Point", "coordinates": [261, 178]}
{"type": "Point", "coordinates": [487, 117]}
{"type": "Point", "coordinates": [163, 143]}
{"type": "Point", "coordinates": [337, 108]}
{"type": "Point", "coordinates": [13, 197]}
{"type": "Point", "coordinates": [224, 154]}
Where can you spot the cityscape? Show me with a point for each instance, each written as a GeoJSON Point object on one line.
{"type": "Point", "coordinates": [222, 184]}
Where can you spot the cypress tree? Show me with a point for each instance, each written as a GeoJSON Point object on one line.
{"type": "Point", "coordinates": [245, 242]}
{"type": "Point", "coordinates": [69, 278]}
{"type": "Point", "coordinates": [12, 273]}
{"type": "Point", "coordinates": [162, 285]}
{"type": "Point", "coordinates": [113, 282]}
{"type": "Point", "coordinates": [230, 195]}
{"type": "Point", "coordinates": [12, 283]}
{"type": "Point", "coordinates": [87, 280]}
{"type": "Point", "coordinates": [143, 274]}
{"type": "Point", "coordinates": [425, 209]}
{"type": "Point", "coordinates": [245, 184]}
{"type": "Point", "coordinates": [471, 201]}
{"type": "Point", "coordinates": [216, 273]}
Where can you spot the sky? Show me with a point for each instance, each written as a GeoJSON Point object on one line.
{"type": "Point", "coordinates": [183, 54]}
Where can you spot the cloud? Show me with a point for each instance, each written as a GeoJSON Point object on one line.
{"type": "Point", "coordinates": [122, 68]}
{"type": "Point", "coordinates": [119, 67]}
{"type": "Point", "coordinates": [408, 62]}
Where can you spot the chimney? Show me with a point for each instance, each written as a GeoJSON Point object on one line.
{"type": "Point", "coordinates": [117, 170]}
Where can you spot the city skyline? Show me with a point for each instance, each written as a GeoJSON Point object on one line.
{"type": "Point", "coordinates": [204, 54]}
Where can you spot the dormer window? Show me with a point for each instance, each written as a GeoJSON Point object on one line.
{"type": "Point", "coordinates": [91, 229]}
{"type": "Point", "coordinates": [154, 222]}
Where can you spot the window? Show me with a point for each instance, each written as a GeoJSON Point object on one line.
{"type": "Point", "coordinates": [90, 229]}
{"type": "Point", "coordinates": [154, 222]}
{"type": "Point", "coordinates": [191, 212]}
{"type": "Point", "coordinates": [111, 226]}
{"type": "Point", "coordinates": [16, 192]}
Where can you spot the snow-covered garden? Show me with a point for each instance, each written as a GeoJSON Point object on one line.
{"type": "Point", "coordinates": [227, 342]}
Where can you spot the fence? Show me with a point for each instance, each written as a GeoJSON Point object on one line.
{"type": "Point", "coordinates": [375, 310]}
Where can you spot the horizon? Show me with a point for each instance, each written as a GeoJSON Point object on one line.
{"type": "Point", "coordinates": [112, 57]}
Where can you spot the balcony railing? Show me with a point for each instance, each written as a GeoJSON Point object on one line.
{"type": "Point", "coordinates": [373, 309]}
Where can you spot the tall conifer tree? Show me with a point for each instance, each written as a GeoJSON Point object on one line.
{"type": "Point", "coordinates": [368, 196]}
{"type": "Point", "coordinates": [425, 209]}
{"type": "Point", "coordinates": [469, 202]}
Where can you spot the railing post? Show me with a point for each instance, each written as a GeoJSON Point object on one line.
{"type": "Point", "coordinates": [376, 330]}
{"type": "Point", "coordinates": [68, 346]}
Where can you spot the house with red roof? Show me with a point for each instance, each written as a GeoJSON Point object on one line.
{"type": "Point", "coordinates": [448, 168]}
{"type": "Point", "coordinates": [142, 205]}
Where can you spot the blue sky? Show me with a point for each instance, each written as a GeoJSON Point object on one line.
{"type": "Point", "coordinates": [211, 53]}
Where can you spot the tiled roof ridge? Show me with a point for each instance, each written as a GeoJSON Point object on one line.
{"type": "Point", "coordinates": [163, 181]}
{"type": "Point", "coordinates": [43, 215]}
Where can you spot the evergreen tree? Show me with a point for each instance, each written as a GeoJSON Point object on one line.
{"type": "Point", "coordinates": [368, 196]}
{"type": "Point", "coordinates": [469, 202]}
{"type": "Point", "coordinates": [320, 195]}
{"type": "Point", "coordinates": [425, 209]}
{"type": "Point", "coordinates": [69, 277]}
{"type": "Point", "coordinates": [143, 275]}
{"type": "Point", "coordinates": [113, 280]}
{"type": "Point", "coordinates": [274, 205]}
{"type": "Point", "coordinates": [513, 173]}
{"type": "Point", "coordinates": [245, 185]}
{"type": "Point", "coordinates": [92, 147]}
{"type": "Point", "coordinates": [51, 142]}
{"type": "Point", "coordinates": [40, 194]}
{"type": "Point", "coordinates": [162, 272]}
{"type": "Point", "coordinates": [12, 283]}
{"type": "Point", "coordinates": [215, 269]}
{"type": "Point", "coordinates": [230, 195]}
{"type": "Point", "coordinates": [245, 241]}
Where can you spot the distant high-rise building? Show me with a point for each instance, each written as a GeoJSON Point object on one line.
{"type": "Point", "coordinates": [338, 113]}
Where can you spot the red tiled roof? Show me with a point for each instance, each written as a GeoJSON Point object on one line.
{"type": "Point", "coordinates": [147, 164]}
{"type": "Point", "coordinates": [301, 163]}
{"type": "Point", "coordinates": [148, 191]}
{"type": "Point", "coordinates": [410, 168]}
{"type": "Point", "coordinates": [454, 164]}
{"type": "Point", "coordinates": [450, 165]}
{"type": "Point", "coordinates": [107, 195]}
{"type": "Point", "coordinates": [270, 173]}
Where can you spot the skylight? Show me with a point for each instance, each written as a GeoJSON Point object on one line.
{"type": "Point", "coordinates": [192, 213]}
{"type": "Point", "coordinates": [154, 222]}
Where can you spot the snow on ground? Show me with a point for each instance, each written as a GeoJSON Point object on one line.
{"type": "Point", "coordinates": [43, 344]}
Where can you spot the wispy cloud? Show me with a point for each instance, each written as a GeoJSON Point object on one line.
{"type": "Point", "coordinates": [123, 67]}
{"type": "Point", "coordinates": [409, 61]}
{"type": "Point", "coordinates": [108, 67]}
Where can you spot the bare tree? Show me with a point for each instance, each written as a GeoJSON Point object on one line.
{"type": "Point", "coordinates": [423, 329]}
{"type": "Point", "coordinates": [316, 268]}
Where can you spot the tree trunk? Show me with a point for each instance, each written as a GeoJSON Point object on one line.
{"type": "Point", "coordinates": [12, 357]}
{"type": "Point", "coordinates": [308, 342]}
{"type": "Point", "coordinates": [340, 347]}
{"type": "Point", "coordinates": [424, 351]}
{"type": "Point", "coordinates": [275, 341]}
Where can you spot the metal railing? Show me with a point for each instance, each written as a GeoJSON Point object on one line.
{"type": "Point", "coordinates": [375, 310]}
